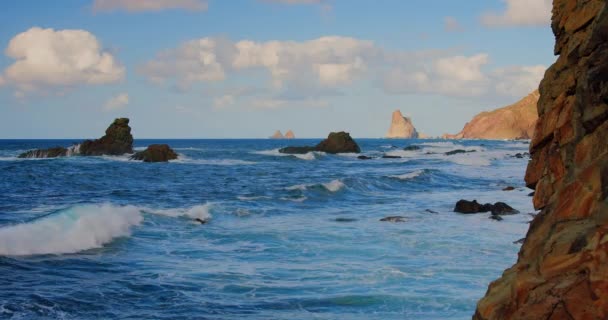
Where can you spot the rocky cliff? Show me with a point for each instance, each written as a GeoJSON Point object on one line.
{"type": "Point", "coordinates": [562, 267]}
{"type": "Point", "coordinates": [516, 121]}
{"type": "Point", "coordinates": [401, 127]}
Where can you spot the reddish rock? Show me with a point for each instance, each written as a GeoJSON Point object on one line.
{"type": "Point", "coordinates": [562, 267]}
{"type": "Point", "coordinates": [401, 127]}
{"type": "Point", "coordinates": [516, 121]}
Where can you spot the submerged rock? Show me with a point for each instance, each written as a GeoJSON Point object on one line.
{"type": "Point", "coordinates": [496, 217]}
{"type": "Point", "coordinates": [386, 156]}
{"type": "Point", "coordinates": [117, 141]}
{"type": "Point", "coordinates": [156, 153]}
{"type": "Point", "coordinates": [364, 158]}
{"type": "Point", "coordinates": [45, 153]}
{"type": "Point", "coordinates": [458, 151]}
{"type": "Point", "coordinates": [509, 188]}
{"type": "Point", "coordinates": [336, 142]}
{"type": "Point", "coordinates": [394, 219]}
{"type": "Point", "coordinates": [345, 219]}
{"type": "Point", "coordinates": [412, 148]}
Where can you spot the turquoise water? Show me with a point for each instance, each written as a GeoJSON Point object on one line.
{"type": "Point", "coordinates": [288, 237]}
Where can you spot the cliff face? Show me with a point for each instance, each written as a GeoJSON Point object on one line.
{"type": "Point", "coordinates": [401, 127]}
{"type": "Point", "coordinates": [562, 268]}
{"type": "Point", "coordinates": [516, 121]}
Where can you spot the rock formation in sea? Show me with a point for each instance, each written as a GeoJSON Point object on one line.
{"type": "Point", "coordinates": [156, 153]}
{"type": "Point", "coordinates": [336, 142]}
{"type": "Point", "coordinates": [516, 121]}
{"type": "Point", "coordinates": [401, 127]}
{"type": "Point", "coordinates": [290, 135]}
{"type": "Point", "coordinates": [562, 266]}
{"type": "Point", "coordinates": [277, 135]}
{"type": "Point", "coordinates": [117, 140]}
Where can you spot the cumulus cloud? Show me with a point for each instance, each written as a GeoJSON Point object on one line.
{"type": "Point", "coordinates": [304, 72]}
{"type": "Point", "coordinates": [452, 25]}
{"type": "Point", "coordinates": [46, 58]}
{"type": "Point", "coordinates": [148, 5]}
{"type": "Point", "coordinates": [520, 13]}
{"type": "Point", "coordinates": [118, 102]}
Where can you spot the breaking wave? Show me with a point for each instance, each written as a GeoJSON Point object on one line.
{"type": "Point", "coordinates": [275, 152]}
{"type": "Point", "coordinates": [332, 186]}
{"type": "Point", "coordinates": [409, 175]}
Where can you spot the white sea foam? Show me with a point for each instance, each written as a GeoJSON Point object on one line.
{"type": "Point", "coordinates": [408, 176]}
{"type": "Point", "coordinates": [275, 152]}
{"type": "Point", "coordinates": [197, 212]}
{"type": "Point", "coordinates": [72, 230]}
{"type": "Point", "coordinates": [212, 162]}
{"type": "Point", "coordinates": [299, 199]}
{"type": "Point", "coordinates": [332, 186]}
{"type": "Point", "coordinates": [251, 198]}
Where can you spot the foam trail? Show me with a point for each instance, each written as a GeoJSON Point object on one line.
{"type": "Point", "coordinates": [201, 212]}
{"type": "Point", "coordinates": [71, 230]}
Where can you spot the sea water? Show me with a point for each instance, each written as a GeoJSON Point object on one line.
{"type": "Point", "coordinates": [287, 236]}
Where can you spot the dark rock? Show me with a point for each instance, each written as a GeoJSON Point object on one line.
{"type": "Point", "coordinates": [520, 241]}
{"type": "Point", "coordinates": [457, 151]}
{"type": "Point", "coordinates": [338, 142]}
{"type": "Point", "coordinates": [394, 219]}
{"type": "Point", "coordinates": [509, 188]}
{"type": "Point", "coordinates": [390, 157]}
{"type": "Point", "coordinates": [364, 158]}
{"type": "Point", "coordinates": [430, 211]}
{"type": "Point", "coordinates": [501, 208]}
{"type": "Point", "coordinates": [45, 153]}
{"type": "Point", "coordinates": [201, 221]}
{"type": "Point", "coordinates": [465, 206]}
{"type": "Point", "coordinates": [345, 220]}
{"type": "Point", "coordinates": [297, 150]}
{"type": "Point", "coordinates": [531, 194]}
{"type": "Point", "coordinates": [412, 148]}
{"type": "Point", "coordinates": [156, 153]}
{"type": "Point", "coordinates": [117, 140]}
{"type": "Point", "coordinates": [495, 217]}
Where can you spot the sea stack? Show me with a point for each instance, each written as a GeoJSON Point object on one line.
{"type": "Point", "coordinates": [277, 135]}
{"type": "Point", "coordinates": [336, 142]}
{"type": "Point", "coordinates": [562, 266]}
{"type": "Point", "coordinates": [516, 121]}
{"type": "Point", "coordinates": [401, 127]}
{"type": "Point", "coordinates": [290, 135]}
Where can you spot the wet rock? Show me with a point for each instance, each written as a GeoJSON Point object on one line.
{"type": "Point", "coordinates": [117, 141]}
{"type": "Point", "coordinates": [201, 221]}
{"type": "Point", "coordinates": [297, 150]}
{"type": "Point", "coordinates": [394, 219]}
{"type": "Point", "coordinates": [509, 188]}
{"type": "Point", "coordinates": [430, 211]}
{"type": "Point", "coordinates": [501, 209]}
{"type": "Point", "coordinates": [412, 148]}
{"type": "Point", "coordinates": [531, 194]}
{"type": "Point", "coordinates": [156, 153]}
{"type": "Point", "coordinates": [458, 151]}
{"type": "Point", "coordinates": [468, 207]}
{"type": "Point", "coordinates": [386, 156]}
{"type": "Point", "coordinates": [364, 158]}
{"type": "Point", "coordinates": [45, 153]}
{"type": "Point", "coordinates": [345, 220]}
{"type": "Point", "coordinates": [495, 217]}
{"type": "Point", "coordinates": [336, 142]}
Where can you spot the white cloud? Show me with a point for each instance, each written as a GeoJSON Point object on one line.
{"type": "Point", "coordinates": [452, 25]}
{"type": "Point", "coordinates": [118, 102]}
{"type": "Point", "coordinates": [520, 13]}
{"type": "Point", "coordinates": [518, 81]}
{"type": "Point", "coordinates": [149, 5]}
{"type": "Point", "coordinates": [46, 59]}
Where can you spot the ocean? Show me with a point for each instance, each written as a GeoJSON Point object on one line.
{"type": "Point", "coordinates": [287, 237]}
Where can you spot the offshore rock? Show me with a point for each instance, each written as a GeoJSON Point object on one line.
{"type": "Point", "coordinates": [156, 153]}
{"type": "Point", "coordinates": [290, 135]}
{"type": "Point", "coordinates": [277, 135]}
{"type": "Point", "coordinates": [401, 127]}
{"type": "Point", "coordinates": [117, 140]}
{"type": "Point", "coordinates": [562, 266]}
{"type": "Point", "coordinates": [45, 153]}
{"type": "Point", "coordinates": [512, 122]}
{"type": "Point", "coordinates": [336, 142]}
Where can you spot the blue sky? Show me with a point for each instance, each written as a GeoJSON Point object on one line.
{"type": "Point", "coordinates": [245, 68]}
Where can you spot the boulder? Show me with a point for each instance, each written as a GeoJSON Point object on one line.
{"type": "Point", "coordinates": [156, 153]}
{"type": "Point", "coordinates": [467, 207]}
{"type": "Point", "coordinates": [501, 209]}
{"type": "Point", "coordinates": [117, 140]}
{"type": "Point", "coordinates": [45, 153]}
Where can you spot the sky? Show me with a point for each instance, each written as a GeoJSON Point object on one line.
{"type": "Point", "coordinates": [246, 68]}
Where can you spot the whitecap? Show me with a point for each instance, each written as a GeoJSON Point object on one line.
{"type": "Point", "coordinates": [252, 198]}
{"type": "Point", "coordinates": [408, 176]}
{"type": "Point", "coordinates": [332, 186]}
{"type": "Point", "coordinates": [71, 230]}
{"type": "Point", "coordinates": [202, 212]}
{"type": "Point", "coordinates": [298, 199]}
{"type": "Point", "coordinates": [275, 153]}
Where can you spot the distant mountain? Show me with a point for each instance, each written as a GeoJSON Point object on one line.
{"type": "Point", "coordinates": [277, 135]}
{"type": "Point", "coordinates": [401, 127]}
{"type": "Point", "coordinates": [290, 135]}
{"type": "Point", "coordinates": [516, 121]}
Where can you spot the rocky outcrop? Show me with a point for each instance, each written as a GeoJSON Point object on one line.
{"type": "Point", "coordinates": [45, 153]}
{"type": "Point", "coordinates": [277, 135]}
{"type": "Point", "coordinates": [401, 127]}
{"type": "Point", "coordinates": [290, 135]}
{"type": "Point", "coordinates": [336, 142]}
{"type": "Point", "coordinates": [117, 140]}
{"type": "Point", "coordinates": [498, 209]}
{"type": "Point", "coordinates": [562, 266]}
{"type": "Point", "coordinates": [516, 121]}
{"type": "Point", "coordinates": [156, 153]}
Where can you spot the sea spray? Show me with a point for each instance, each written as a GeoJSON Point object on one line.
{"type": "Point", "coordinates": [68, 231]}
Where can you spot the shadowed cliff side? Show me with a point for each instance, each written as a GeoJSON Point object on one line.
{"type": "Point", "coordinates": [562, 268]}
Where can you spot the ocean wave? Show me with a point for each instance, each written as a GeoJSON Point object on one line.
{"type": "Point", "coordinates": [212, 162]}
{"type": "Point", "coordinates": [69, 231]}
{"type": "Point", "coordinates": [296, 199]}
{"type": "Point", "coordinates": [252, 198]}
{"type": "Point", "coordinates": [202, 212]}
{"type": "Point", "coordinates": [275, 153]}
{"type": "Point", "coordinates": [332, 186]}
{"type": "Point", "coordinates": [409, 175]}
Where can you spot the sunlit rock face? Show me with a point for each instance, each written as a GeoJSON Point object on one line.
{"type": "Point", "coordinates": [516, 121]}
{"type": "Point", "coordinates": [401, 127]}
{"type": "Point", "coordinates": [562, 268]}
